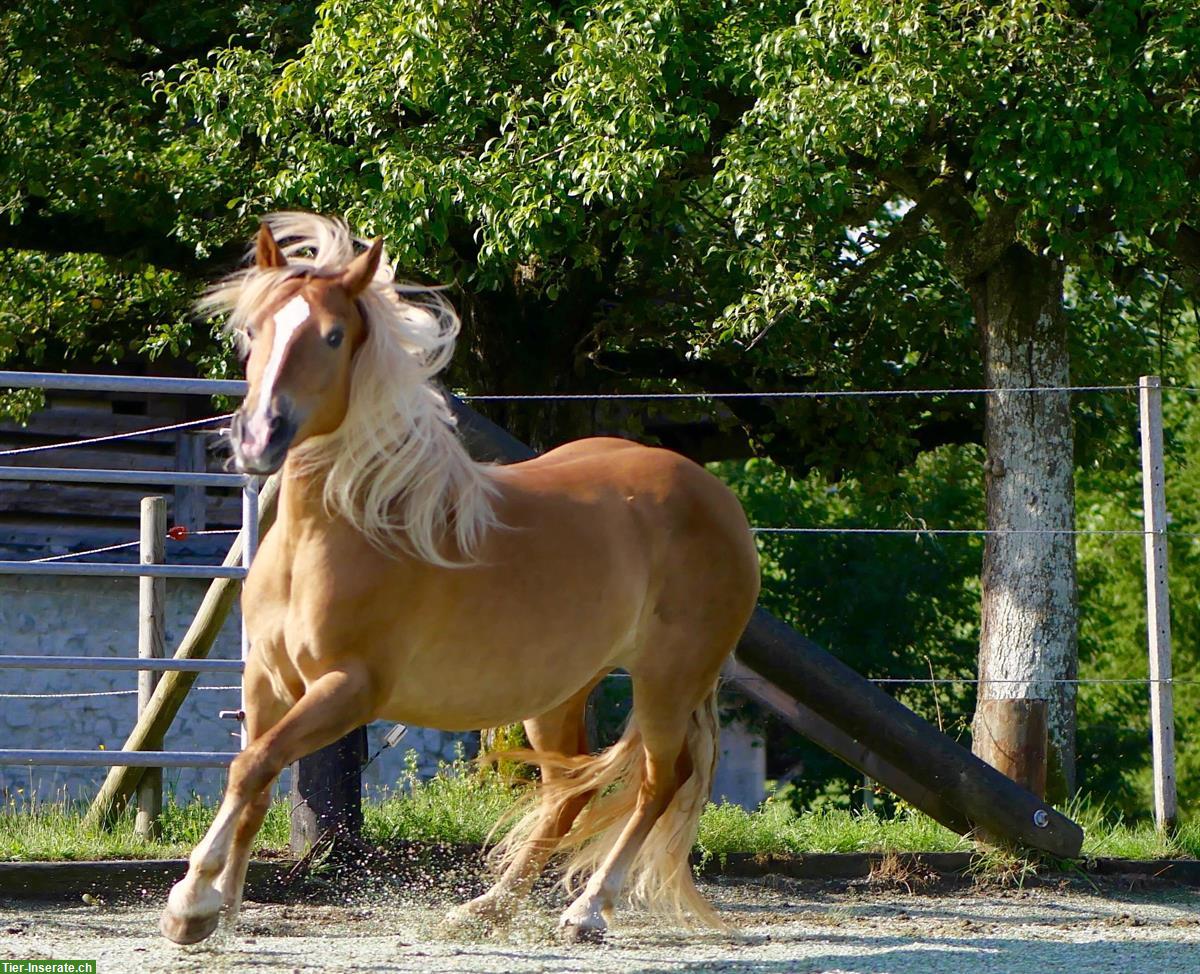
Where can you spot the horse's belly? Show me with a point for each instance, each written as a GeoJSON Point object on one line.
{"type": "Point", "coordinates": [486, 686]}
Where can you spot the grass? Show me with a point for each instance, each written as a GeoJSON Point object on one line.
{"type": "Point", "coordinates": [39, 830]}
{"type": "Point", "coordinates": [1110, 836]}
{"type": "Point", "coordinates": [459, 805]}
{"type": "Point", "coordinates": [776, 829]}
{"type": "Point", "coordinates": [462, 804]}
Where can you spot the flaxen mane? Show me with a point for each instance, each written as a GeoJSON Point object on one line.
{"type": "Point", "coordinates": [395, 468]}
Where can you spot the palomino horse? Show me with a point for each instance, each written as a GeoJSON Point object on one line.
{"type": "Point", "coordinates": [404, 581]}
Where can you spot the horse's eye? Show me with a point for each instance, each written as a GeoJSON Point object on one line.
{"type": "Point", "coordinates": [334, 338]}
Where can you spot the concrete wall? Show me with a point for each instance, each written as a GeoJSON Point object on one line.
{"type": "Point", "coordinates": [47, 616]}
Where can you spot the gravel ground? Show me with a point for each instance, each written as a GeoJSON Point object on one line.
{"type": "Point", "coordinates": [782, 926]}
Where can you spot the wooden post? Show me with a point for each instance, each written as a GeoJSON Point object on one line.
{"type": "Point", "coordinates": [1158, 603]}
{"type": "Point", "coordinates": [326, 793]}
{"type": "Point", "coordinates": [1017, 740]}
{"type": "Point", "coordinates": [152, 600]}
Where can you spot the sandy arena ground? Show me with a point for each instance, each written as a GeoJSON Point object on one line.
{"type": "Point", "coordinates": [783, 926]}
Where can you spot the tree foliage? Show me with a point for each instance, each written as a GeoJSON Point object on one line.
{"type": "Point", "coordinates": [631, 194]}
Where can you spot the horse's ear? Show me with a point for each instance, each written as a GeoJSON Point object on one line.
{"type": "Point", "coordinates": [266, 251]}
{"type": "Point", "coordinates": [361, 271]}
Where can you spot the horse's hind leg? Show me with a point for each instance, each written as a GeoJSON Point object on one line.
{"type": "Point", "coordinates": [663, 709]}
{"type": "Point", "coordinates": [560, 731]}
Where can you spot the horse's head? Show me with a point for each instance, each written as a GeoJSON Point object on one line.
{"type": "Point", "coordinates": [302, 343]}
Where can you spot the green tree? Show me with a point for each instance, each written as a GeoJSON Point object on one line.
{"type": "Point", "coordinates": [1028, 137]}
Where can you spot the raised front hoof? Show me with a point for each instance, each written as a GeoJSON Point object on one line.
{"type": "Point", "coordinates": [586, 930]}
{"type": "Point", "coordinates": [187, 930]}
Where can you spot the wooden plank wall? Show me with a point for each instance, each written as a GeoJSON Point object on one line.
{"type": "Point", "coordinates": [38, 519]}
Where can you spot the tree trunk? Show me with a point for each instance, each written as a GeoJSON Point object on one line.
{"type": "Point", "coordinates": [1029, 634]}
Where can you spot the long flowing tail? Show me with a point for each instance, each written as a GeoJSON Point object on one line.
{"type": "Point", "coordinates": [660, 879]}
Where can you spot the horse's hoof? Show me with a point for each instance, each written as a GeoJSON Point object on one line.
{"type": "Point", "coordinates": [187, 930]}
{"type": "Point", "coordinates": [582, 931]}
{"type": "Point", "coordinates": [464, 918]}
{"type": "Point", "coordinates": [485, 911]}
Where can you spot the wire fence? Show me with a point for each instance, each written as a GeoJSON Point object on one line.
{"type": "Point", "coordinates": [921, 530]}
{"type": "Point", "coordinates": [792, 394]}
{"type": "Point", "coordinates": [915, 531]}
{"type": "Point", "coordinates": [195, 424]}
{"type": "Point", "coordinates": [213, 424]}
{"type": "Point", "coordinates": [176, 533]}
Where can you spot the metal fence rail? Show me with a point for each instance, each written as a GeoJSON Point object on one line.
{"type": "Point", "coordinates": [83, 382]}
{"type": "Point", "coordinates": [83, 475]}
{"type": "Point", "coordinates": [108, 568]}
{"type": "Point", "coordinates": [125, 759]}
{"type": "Point", "coordinates": [66, 475]}
{"type": "Point", "coordinates": [135, 663]}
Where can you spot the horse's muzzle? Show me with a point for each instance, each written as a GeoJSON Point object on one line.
{"type": "Point", "coordinates": [260, 442]}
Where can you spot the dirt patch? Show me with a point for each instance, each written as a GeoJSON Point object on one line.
{"type": "Point", "coordinates": [780, 926]}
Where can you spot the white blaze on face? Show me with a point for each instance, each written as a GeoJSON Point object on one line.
{"type": "Point", "coordinates": [287, 320]}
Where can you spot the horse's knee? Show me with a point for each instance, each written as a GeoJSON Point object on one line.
{"type": "Point", "coordinates": [249, 775]}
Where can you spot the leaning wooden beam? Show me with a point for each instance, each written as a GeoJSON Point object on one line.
{"type": "Point", "coordinates": [173, 688]}
{"type": "Point", "coordinates": [861, 724]}
{"type": "Point", "coordinates": [999, 809]}
{"type": "Point", "coordinates": [824, 734]}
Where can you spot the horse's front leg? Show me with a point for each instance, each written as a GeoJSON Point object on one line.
{"type": "Point", "coordinates": [232, 880]}
{"type": "Point", "coordinates": [332, 706]}
{"type": "Point", "coordinates": [264, 709]}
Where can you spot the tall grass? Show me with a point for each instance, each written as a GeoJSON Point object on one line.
{"type": "Point", "coordinates": [462, 804]}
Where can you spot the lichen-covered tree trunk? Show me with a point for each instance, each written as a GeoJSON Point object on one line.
{"type": "Point", "coordinates": [1029, 637]}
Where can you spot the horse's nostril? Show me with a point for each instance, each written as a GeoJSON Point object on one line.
{"type": "Point", "coordinates": [277, 423]}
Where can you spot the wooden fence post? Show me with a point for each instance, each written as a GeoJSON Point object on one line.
{"type": "Point", "coordinates": [152, 600]}
{"type": "Point", "coordinates": [1158, 603]}
{"type": "Point", "coordinates": [326, 793]}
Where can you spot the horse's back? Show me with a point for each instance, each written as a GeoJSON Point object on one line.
{"type": "Point", "coordinates": [686, 523]}
{"type": "Point", "coordinates": [650, 480]}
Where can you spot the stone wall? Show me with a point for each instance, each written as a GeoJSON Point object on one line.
{"type": "Point", "coordinates": [69, 616]}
